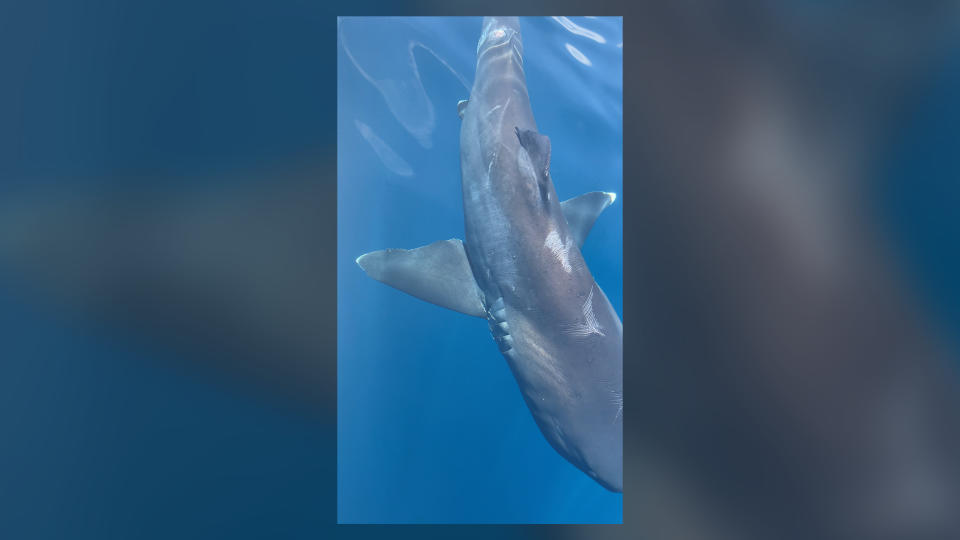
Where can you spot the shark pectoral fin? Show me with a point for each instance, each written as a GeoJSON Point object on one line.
{"type": "Point", "coordinates": [461, 106]}
{"type": "Point", "coordinates": [537, 147]}
{"type": "Point", "coordinates": [438, 273]}
{"type": "Point", "coordinates": [582, 211]}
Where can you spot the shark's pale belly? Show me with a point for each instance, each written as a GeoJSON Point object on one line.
{"type": "Point", "coordinates": [568, 369]}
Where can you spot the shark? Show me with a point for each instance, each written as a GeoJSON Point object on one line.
{"type": "Point", "coordinates": [520, 267]}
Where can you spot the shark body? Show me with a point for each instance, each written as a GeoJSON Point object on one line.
{"type": "Point", "coordinates": [520, 267]}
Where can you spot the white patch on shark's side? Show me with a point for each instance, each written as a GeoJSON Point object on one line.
{"type": "Point", "coordinates": [503, 112]}
{"type": "Point", "coordinates": [561, 251]}
{"type": "Point", "coordinates": [589, 326]}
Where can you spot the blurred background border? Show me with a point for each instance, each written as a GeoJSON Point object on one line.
{"type": "Point", "coordinates": [155, 159]}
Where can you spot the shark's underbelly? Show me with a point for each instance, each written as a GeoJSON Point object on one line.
{"type": "Point", "coordinates": [576, 408]}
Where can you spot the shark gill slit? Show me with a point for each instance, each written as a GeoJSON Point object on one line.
{"type": "Point", "coordinates": [499, 329]}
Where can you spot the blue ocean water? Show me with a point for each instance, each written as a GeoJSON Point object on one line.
{"type": "Point", "coordinates": [112, 428]}
{"type": "Point", "coordinates": [431, 424]}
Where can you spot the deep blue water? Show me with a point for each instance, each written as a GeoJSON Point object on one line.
{"type": "Point", "coordinates": [431, 424]}
{"type": "Point", "coordinates": [107, 428]}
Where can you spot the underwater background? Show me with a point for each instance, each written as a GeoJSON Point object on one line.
{"type": "Point", "coordinates": [168, 275]}
{"type": "Point", "coordinates": [431, 425]}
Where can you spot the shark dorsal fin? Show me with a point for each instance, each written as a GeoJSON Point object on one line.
{"type": "Point", "coordinates": [438, 273]}
{"type": "Point", "coordinates": [537, 147]}
{"type": "Point", "coordinates": [582, 211]}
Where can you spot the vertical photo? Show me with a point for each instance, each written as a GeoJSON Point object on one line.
{"type": "Point", "coordinates": [479, 260]}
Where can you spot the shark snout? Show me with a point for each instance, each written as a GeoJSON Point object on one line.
{"type": "Point", "coordinates": [511, 23]}
{"type": "Point", "coordinates": [500, 32]}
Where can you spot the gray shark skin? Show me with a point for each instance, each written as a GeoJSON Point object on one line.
{"type": "Point", "coordinates": [521, 268]}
